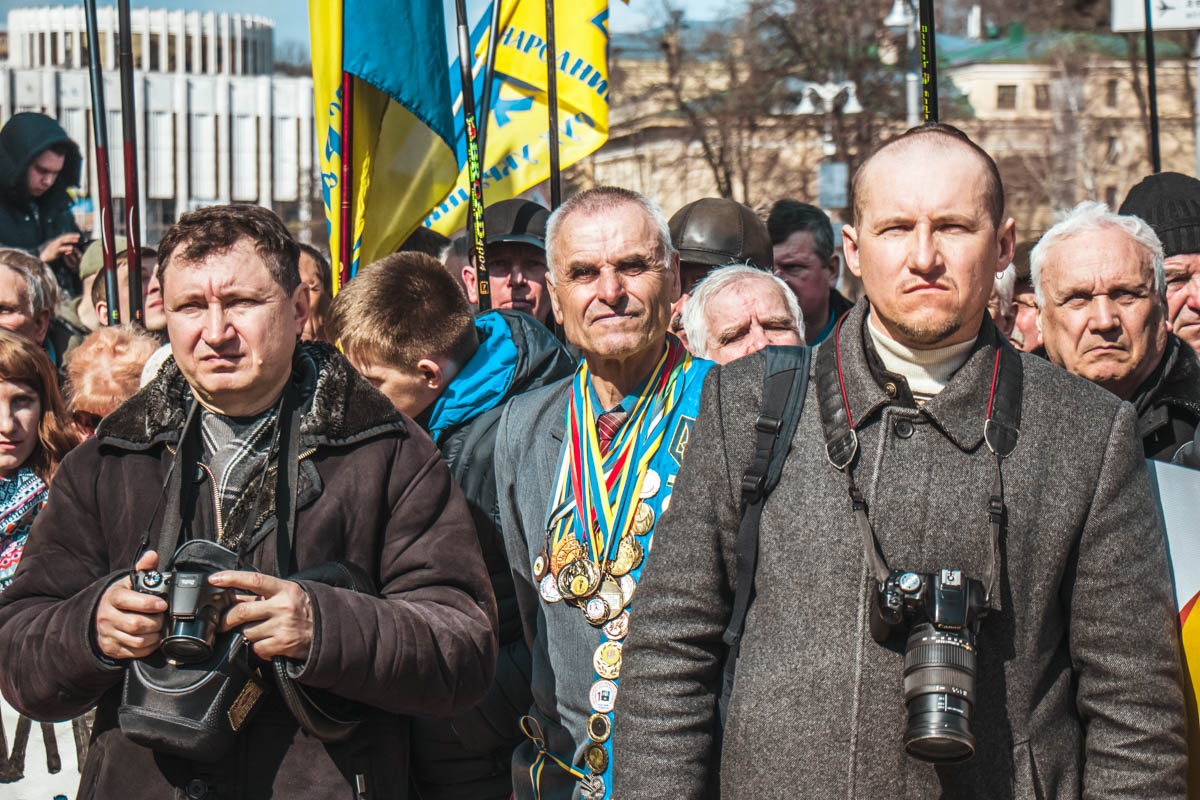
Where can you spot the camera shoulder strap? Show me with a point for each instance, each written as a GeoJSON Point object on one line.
{"type": "Point", "coordinates": [1001, 430]}
{"type": "Point", "coordinates": [179, 475]}
{"type": "Point", "coordinates": [785, 383]}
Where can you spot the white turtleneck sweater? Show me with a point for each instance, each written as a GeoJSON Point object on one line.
{"type": "Point", "coordinates": [927, 371]}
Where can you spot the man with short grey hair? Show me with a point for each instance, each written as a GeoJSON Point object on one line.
{"type": "Point", "coordinates": [584, 468]}
{"type": "Point", "coordinates": [22, 301]}
{"type": "Point", "coordinates": [738, 310]}
{"type": "Point", "coordinates": [1099, 282]}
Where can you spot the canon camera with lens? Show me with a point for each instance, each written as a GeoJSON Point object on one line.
{"type": "Point", "coordinates": [194, 610]}
{"type": "Point", "coordinates": [940, 613]}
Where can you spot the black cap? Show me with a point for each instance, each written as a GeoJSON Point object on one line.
{"type": "Point", "coordinates": [516, 220]}
{"type": "Point", "coordinates": [1170, 203]}
{"type": "Point", "coordinates": [718, 232]}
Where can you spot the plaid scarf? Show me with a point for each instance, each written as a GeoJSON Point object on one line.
{"type": "Point", "coordinates": [21, 498]}
{"type": "Point", "coordinates": [236, 450]}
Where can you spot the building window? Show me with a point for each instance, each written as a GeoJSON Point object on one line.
{"type": "Point", "coordinates": [1113, 151]}
{"type": "Point", "coordinates": [1041, 96]}
{"type": "Point", "coordinates": [189, 41]}
{"type": "Point", "coordinates": [54, 48]}
{"type": "Point", "coordinates": [1006, 97]}
{"type": "Point", "coordinates": [41, 59]}
{"type": "Point", "coordinates": [1110, 93]}
{"type": "Point", "coordinates": [1110, 197]}
{"type": "Point", "coordinates": [204, 54]}
{"type": "Point", "coordinates": [172, 51]}
{"type": "Point", "coordinates": [155, 58]}
{"type": "Point", "coordinates": [68, 48]}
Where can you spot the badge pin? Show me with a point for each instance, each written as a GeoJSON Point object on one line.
{"type": "Point", "coordinates": [541, 566]}
{"type": "Point", "coordinates": [596, 757]}
{"type": "Point", "coordinates": [643, 519]}
{"type": "Point", "coordinates": [592, 787]}
{"type": "Point", "coordinates": [599, 728]}
{"type": "Point", "coordinates": [603, 696]}
{"type": "Point", "coordinates": [549, 590]}
{"type": "Point", "coordinates": [607, 660]}
{"type": "Point", "coordinates": [650, 484]}
{"type": "Point", "coordinates": [666, 503]}
{"type": "Point", "coordinates": [618, 627]}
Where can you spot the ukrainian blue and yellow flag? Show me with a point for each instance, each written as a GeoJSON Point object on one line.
{"type": "Point", "coordinates": [518, 153]}
{"type": "Point", "coordinates": [402, 135]}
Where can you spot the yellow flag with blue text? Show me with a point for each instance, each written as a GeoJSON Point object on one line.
{"type": "Point", "coordinates": [402, 134]}
{"type": "Point", "coordinates": [518, 153]}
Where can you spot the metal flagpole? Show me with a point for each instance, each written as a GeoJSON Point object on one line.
{"type": "Point", "coordinates": [346, 226]}
{"type": "Point", "coordinates": [129, 127]}
{"type": "Point", "coordinates": [100, 132]}
{"type": "Point", "coordinates": [929, 91]}
{"type": "Point", "coordinates": [475, 207]}
{"type": "Point", "coordinates": [1152, 91]}
{"type": "Point", "coordinates": [488, 73]}
{"type": "Point", "coordinates": [552, 104]}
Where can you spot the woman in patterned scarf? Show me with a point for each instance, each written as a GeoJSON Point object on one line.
{"type": "Point", "coordinates": [35, 435]}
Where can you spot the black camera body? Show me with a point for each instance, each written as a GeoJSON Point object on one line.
{"type": "Point", "coordinates": [940, 612]}
{"type": "Point", "coordinates": [194, 610]}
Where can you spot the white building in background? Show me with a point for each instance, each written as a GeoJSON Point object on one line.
{"type": "Point", "coordinates": [214, 124]}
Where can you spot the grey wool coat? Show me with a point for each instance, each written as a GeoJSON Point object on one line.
{"type": "Point", "coordinates": [1079, 684]}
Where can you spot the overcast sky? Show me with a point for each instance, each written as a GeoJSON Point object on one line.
{"type": "Point", "coordinates": [293, 26]}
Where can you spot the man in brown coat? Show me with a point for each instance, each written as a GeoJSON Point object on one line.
{"type": "Point", "coordinates": [370, 490]}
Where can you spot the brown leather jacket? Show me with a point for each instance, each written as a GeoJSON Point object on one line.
{"type": "Point", "coordinates": [372, 491]}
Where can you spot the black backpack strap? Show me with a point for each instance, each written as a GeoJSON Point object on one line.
{"type": "Point", "coordinates": [785, 382]}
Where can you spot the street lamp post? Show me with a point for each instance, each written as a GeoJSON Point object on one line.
{"type": "Point", "coordinates": [902, 18]}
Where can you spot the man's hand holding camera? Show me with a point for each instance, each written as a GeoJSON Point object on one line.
{"type": "Point", "coordinates": [277, 619]}
{"type": "Point", "coordinates": [129, 624]}
{"type": "Point", "coordinates": [274, 615]}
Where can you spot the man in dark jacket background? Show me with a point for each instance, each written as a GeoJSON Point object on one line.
{"type": "Point", "coordinates": [38, 163]}
{"type": "Point", "coordinates": [370, 490]}
{"type": "Point", "coordinates": [405, 324]}
{"type": "Point", "coordinates": [1099, 282]}
{"type": "Point", "coordinates": [806, 260]}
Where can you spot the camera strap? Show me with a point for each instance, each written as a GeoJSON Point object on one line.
{"type": "Point", "coordinates": [187, 457]}
{"type": "Point", "coordinates": [1000, 432]}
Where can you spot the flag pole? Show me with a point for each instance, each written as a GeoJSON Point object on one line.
{"type": "Point", "coordinates": [346, 226]}
{"type": "Point", "coordinates": [129, 128]}
{"type": "Point", "coordinates": [475, 207]}
{"type": "Point", "coordinates": [100, 132]}
{"type": "Point", "coordinates": [488, 73]}
{"type": "Point", "coordinates": [1152, 90]}
{"type": "Point", "coordinates": [552, 105]}
{"type": "Point", "coordinates": [928, 61]}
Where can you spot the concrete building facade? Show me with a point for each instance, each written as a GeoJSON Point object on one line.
{"type": "Point", "coordinates": [214, 124]}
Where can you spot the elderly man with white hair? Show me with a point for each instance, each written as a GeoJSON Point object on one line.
{"type": "Point", "coordinates": [738, 310]}
{"type": "Point", "coordinates": [1099, 283]}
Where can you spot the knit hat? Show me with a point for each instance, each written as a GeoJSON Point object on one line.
{"type": "Point", "coordinates": [1170, 203]}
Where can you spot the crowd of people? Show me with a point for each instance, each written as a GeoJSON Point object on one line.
{"type": "Point", "coordinates": [676, 518]}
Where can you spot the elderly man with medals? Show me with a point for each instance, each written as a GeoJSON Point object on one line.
{"type": "Point", "coordinates": [596, 455]}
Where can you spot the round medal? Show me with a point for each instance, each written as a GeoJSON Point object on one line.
{"type": "Point", "coordinates": [596, 611]}
{"type": "Point", "coordinates": [549, 590]}
{"type": "Point", "coordinates": [617, 627]}
{"type": "Point", "coordinates": [607, 660]}
{"type": "Point", "coordinates": [650, 484]}
{"type": "Point", "coordinates": [610, 592]}
{"type": "Point", "coordinates": [567, 551]}
{"type": "Point", "coordinates": [599, 728]}
{"type": "Point", "coordinates": [592, 787]}
{"type": "Point", "coordinates": [579, 579]}
{"type": "Point", "coordinates": [603, 696]}
{"type": "Point", "coordinates": [666, 502]}
{"type": "Point", "coordinates": [643, 519]}
{"type": "Point", "coordinates": [596, 757]}
{"type": "Point", "coordinates": [541, 566]}
{"type": "Point", "coordinates": [629, 556]}
{"type": "Point", "coordinates": [628, 586]}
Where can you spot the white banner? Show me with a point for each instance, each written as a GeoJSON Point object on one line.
{"type": "Point", "coordinates": [1165, 15]}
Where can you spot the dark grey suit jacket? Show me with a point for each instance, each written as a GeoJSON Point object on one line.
{"type": "Point", "coordinates": [1079, 685]}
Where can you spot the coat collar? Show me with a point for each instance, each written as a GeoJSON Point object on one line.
{"type": "Point", "coordinates": [341, 406]}
{"type": "Point", "coordinates": [959, 411]}
{"type": "Point", "coordinates": [1175, 382]}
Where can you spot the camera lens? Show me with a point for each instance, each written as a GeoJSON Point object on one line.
{"type": "Point", "coordinates": [939, 691]}
{"type": "Point", "coordinates": [191, 640]}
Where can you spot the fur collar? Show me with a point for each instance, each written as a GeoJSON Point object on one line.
{"type": "Point", "coordinates": [342, 407]}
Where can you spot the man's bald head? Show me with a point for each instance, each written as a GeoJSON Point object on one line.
{"type": "Point", "coordinates": [935, 136]}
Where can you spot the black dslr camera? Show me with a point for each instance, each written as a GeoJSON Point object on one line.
{"type": "Point", "coordinates": [194, 610]}
{"type": "Point", "coordinates": [941, 613]}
